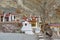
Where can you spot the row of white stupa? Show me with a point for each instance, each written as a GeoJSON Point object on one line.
{"type": "Point", "coordinates": [7, 17]}
{"type": "Point", "coordinates": [27, 27]}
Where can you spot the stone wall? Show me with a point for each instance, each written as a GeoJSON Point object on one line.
{"type": "Point", "coordinates": [10, 27]}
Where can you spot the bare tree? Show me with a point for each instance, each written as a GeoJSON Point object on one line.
{"type": "Point", "coordinates": [47, 6]}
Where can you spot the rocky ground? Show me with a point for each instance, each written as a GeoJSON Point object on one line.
{"type": "Point", "coordinates": [54, 37]}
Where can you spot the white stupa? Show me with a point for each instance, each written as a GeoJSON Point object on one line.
{"type": "Point", "coordinates": [27, 28]}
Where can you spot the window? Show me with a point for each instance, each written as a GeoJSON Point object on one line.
{"type": "Point", "coordinates": [25, 24]}
{"type": "Point", "coordinates": [7, 18]}
{"type": "Point", "coordinates": [1, 18]}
